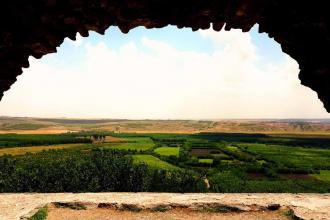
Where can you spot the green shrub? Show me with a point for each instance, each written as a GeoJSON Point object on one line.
{"type": "Point", "coordinates": [41, 214]}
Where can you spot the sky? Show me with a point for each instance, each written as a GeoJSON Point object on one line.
{"type": "Point", "coordinates": [165, 73]}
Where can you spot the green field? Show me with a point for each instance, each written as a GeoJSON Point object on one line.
{"type": "Point", "coordinates": [205, 160]}
{"type": "Point", "coordinates": [102, 160]}
{"type": "Point", "coordinates": [168, 151]}
{"type": "Point", "coordinates": [153, 162]}
{"type": "Point", "coordinates": [138, 144]}
{"type": "Point", "coordinates": [324, 175]}
{"type": "Point", "coordinates": [294, 157]}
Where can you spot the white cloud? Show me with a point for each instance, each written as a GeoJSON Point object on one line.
{"type": "Point", "coordinates": [164, 82]}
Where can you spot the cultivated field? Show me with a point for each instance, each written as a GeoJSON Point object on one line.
{"type": "Point", "coordinates": [153, 162]}
{"type": "Point", "coordinates": [34, 149]}
{"type": "Point", "coordinates": [101, 160]}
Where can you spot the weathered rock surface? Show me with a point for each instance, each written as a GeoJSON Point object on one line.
{"type": "Point", "coordinates": [305, 206]}
{"type": "Point", "coordinates": [37, 27]}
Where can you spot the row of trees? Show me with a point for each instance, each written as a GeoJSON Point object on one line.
{"type": "Point", "coordinates": [22, 140]}
{"type": "Point", "coordinates": [96, 171]}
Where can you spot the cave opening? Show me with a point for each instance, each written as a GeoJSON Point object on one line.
{"type": "Point", "coordinates": [212, 112]}
{"type": "Point", "coordinates": [166, 73]}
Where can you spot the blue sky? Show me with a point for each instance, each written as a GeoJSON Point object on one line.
{"type": "Point", "coordinates": [182, 39]}
{"type": "Point", "coordinates": [166, 73]}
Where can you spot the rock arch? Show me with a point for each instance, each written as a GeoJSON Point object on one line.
{"type": "Point", "coordinates": [37, 27]}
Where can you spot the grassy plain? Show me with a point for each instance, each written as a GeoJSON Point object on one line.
{"type": "Point", "coordinates": [153, 162]}
{"type": "Point", "coordinates": [138, 144]}
{"type": "Point", "coordinates": [35, 149]}
{"type": "Point", "coordinates": [295, 157]}
{"type": "Point", "coordinates": [207, 161]}
{"type": "Point", "coordinates": [168, 151]}
{"type": "Point", "coordinates": [324, 175]}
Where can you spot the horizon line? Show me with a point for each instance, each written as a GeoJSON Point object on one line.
{"type": "Point", "coordinates": [160, 119]}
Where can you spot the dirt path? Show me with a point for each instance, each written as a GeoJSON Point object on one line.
{"type": "Point", "coordinates": [177, 214]}
{"type": "Point", "coordinates": [306, 206]}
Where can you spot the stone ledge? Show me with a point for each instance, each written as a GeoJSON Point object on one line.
{"type": "Point", "coordinates": [306, 206]}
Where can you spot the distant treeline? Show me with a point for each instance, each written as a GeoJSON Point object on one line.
{"type": "Point", "coordinates": [168, 140]}
{"type": "Point", "coordinates": [294, 140]}
{"type": "Point", "coordinates": [18, 140]}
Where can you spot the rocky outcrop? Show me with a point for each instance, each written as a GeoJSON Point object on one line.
{"type": "Point", "coordinates": [37, 27]}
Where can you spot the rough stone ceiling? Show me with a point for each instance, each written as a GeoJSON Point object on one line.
{"type": "Point", "coordinates": [37, 27]}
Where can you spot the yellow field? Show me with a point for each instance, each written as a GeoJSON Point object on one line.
{"type": "Point", "coordinates": [316, 128]}
{"type": "Point", "coordinates": [33, 149]}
